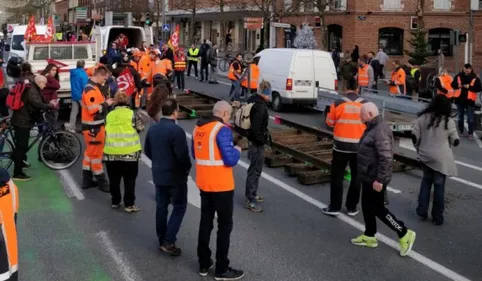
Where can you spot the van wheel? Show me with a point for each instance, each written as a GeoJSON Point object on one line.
{"type": "Point", "coordinates": [276, 103]}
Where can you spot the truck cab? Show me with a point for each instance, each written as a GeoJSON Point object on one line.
{"type": "Point", "coordinates": [67, 53]}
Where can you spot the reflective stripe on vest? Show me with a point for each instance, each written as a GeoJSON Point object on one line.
{"type": "Point", "coordinates": [121, 137]}
{"type": "Point", "coordinates": [348, 128]}
{"type": "Point", "coordinates": [180, 65]}
{"type": "Point", "coordinates": [363, 79]}
{"type": "Point", "coordinates": [211, 173]}
{"type": "Point", "coordinates": [193, 54]}
{"type": "Point", "coordinates": [8, 209]}
{"type": "Point", "coordinates": [399, 81]}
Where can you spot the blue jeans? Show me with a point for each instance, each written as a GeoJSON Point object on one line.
{"type": "Point", "coordinates": [437, 179]}
{"type": "Point", "coordinates": [463, 109]}
{"type": "Point", "coordinates": [234, 92]}
{"type": "Point", "coordinates": [167, 231]}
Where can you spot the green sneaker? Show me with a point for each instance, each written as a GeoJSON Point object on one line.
{"type": "Point", "coordinates": [363, 240]}
{"type": "Point", "coordinates": [406, 242]}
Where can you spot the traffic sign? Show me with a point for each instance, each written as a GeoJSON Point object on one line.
{"type": "Point", "coordinates": [280, 24]}
{"type": "Point", "coordinates": [166, 27]}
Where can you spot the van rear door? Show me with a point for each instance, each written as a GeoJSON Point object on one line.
{"type": "Point", "coordinates": [325, 71]}
{"type": "Point", "coordinates": [302, 75]}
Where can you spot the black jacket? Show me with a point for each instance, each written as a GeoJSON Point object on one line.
{"type": "Point", "coordinates": [462, 99]}
{"type": "Point", "coordinates": [166, 146]}
{"type": "Point", "coordinates": [26, 116]}
{"type": "Point", "coordinates": [375, 64]}
{"type": "Point", "coordinates": [375, 153]}
{"type": "Point", "coordinates": [258, 134]}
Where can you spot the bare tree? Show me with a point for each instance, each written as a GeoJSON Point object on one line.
{"type": "Point", "coordinates": [221, 4]}
{"type": "Point", "coordinates": [320, 9]}
{"type": "Point", "coordinates": [189, 6]}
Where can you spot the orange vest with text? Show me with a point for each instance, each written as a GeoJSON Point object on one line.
{"type": "Point", "coordinates": [211, 173]}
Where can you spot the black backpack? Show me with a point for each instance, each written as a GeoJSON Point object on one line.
{"type": "Point", "coordinates": [13, 67]}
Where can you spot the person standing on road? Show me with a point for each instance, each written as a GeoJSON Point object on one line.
{"type": "Point", "coordinates": [348, 71]}
{"type": "Point", "coordinates": [375, 64]}
{"type": "Point", "coordinates": [53, 85]}
{"type": "Point", "coordinates": [365, 74]}
{"type": "Point", "coordinates": [122, 151]}
{"type": "Point", "coordinates": [193, 55]}
{"type": "Point", "coordinates": [397, 83]}
{"type": "Point", "coordinates": [215, 155]}
{"type": "Point", "coordinates": [344, 117]}
{"type": "Point", "coordinates": [203, 53]}
{"type": "Point", "coordinates": [382, 57]}
{"type": "Point", "coordinates": [166, 146]}
{"type": "Point", "coordinates": [179, 68]}
{"type": "Point", "coordinates": [467, 87]}
{"type": "Point", "coordinates": [443, 84]}
{"type": "Point", "coordinates": [375, 166]}
{"type": "Point", "coordinates": [213, 62]}
{"type": "Point", "coordinates": [24, 119]}
{"type": "Point", "coordinates": [94, 110]}
{"type": "Point", "coordinates": [258, 136]}
{"type": "Point", "coordinates": [78, 80]}
{"type": "Point", "coordinates": [234, 74]}
{"type": "Point", "coordinates": [9, 204]}
{"type": "Point", "coordinates": [433, 135]}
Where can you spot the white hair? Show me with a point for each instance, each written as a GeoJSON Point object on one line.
{"type": "Point", "coordinates": [40, 78]}
{"type": "Point", "coordinates": [220, 107]}
{"type": "Point", "coordinates": [370, 108]}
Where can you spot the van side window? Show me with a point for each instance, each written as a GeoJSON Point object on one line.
{"type": "Point", "coordinates": [41, 53]}
{"type": "Point", "coordinates": [61, 52]}
{"type": "Point", "coordinates": [80, 52]}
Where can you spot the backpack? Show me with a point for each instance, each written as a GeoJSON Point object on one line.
{"type": "Point", "coordinates": [14, 98]}
{"type": "Point", "coordinates": [242, 117]}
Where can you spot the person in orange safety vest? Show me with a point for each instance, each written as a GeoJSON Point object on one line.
{"type": "Point", "coordinates": [344, 117]}
{"type": "Point", "coordinates": [396, 85]}
{"type": "Point", "coordinates": [9, 203]}
{"type": "Point", "coordinates": [180, 65]}
{"type": "Point", "coordinates": [94, 111]}
{"type": "Point", "coordinates": [253, 78]}
{"type": "Point", "coordinates": [215, 156]}
{"type": "Point", "coordinates": [234, 74]}
{"type": "Point", "coordinates": [365, 75]}
{"type": "Point", "coordinates": [443, 84]}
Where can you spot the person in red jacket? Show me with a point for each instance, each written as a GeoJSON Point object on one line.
{"type": "Point", "coordinates": [49, 93]}
{"type": "Point", "coordinates": [179, 68]}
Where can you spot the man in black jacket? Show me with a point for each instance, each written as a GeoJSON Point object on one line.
{"type": "Point", "coordinates": [166, 146]}
{"type": "Point", "coordinates": [375, 64]}
{"type": "Point", "coordinates": [23, 120]}
{"type": "Point", "coordinates": [203, 53]}
{"type": "Point", "coordinates": [258, 136]}
{"type": "Point", "coordinates": [469, 85]}
{"type": "Point", "coordinates": [375, 166]}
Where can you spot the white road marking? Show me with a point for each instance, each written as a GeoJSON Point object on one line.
{"type": "Point", "coordinates": [391, 189]}
{"type": "Point", "coordinates": [390, 242]}
{"type": "Point", "coordinates": [122, 264]}
{"type": "Point", "coordinates": [476, 138]}
{"type": "Point", "coordinates": [407, 144]}
{"type": "Point", "coordinates": [469, 183]}
{"type": "Point", "coordinates": [70, 185]}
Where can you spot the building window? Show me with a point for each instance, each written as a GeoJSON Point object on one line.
{"type": "Point", "coordinates": [391, 40]}
{"type": "Point", "coordinates": [442, 4]}
{"type": "Point", "coordinates": [392, 5]}
{"type": "Point", "coordinates": [439, 38]}
{"type": "Point", "coordinates": [335, 35]}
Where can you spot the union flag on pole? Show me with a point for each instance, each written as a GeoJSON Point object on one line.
{"type": "Point", "coordinates": [125, 81]}
{"type": "Point", "coordinates": [174, 40]}
{"type": "Point", "coordinates": [30, 32]}
{"type": "Point", "coordinates": [49, 34]}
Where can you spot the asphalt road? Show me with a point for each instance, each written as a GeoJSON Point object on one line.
{"type": "Point", "coordinates": [71, 234]}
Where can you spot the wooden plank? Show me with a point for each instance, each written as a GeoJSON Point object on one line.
{"type": "Point", "coordinates": [322, 145]}
{"type": "Point", "coordinates": [313, 177]}
{"type": "Point", "coordinates": [296, 168]}
{"type": "Point", "coordinates": [296, 140]}
{"type": "Point", "coordinates": [276, 161]}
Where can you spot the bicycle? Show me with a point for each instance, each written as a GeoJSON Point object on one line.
{"type": "Point", "coordinates": [225, 63]}
{"type": "Point", "coordinates": [58, 149]}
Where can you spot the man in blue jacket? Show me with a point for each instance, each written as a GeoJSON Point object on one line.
{"type": "Point", "coordinates": [166, 146]}
{"type": "Point", "coordinates": [78, 80]}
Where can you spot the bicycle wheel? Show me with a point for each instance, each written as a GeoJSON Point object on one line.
{"type": "Point", "coordinates": [6, 154]}
{"type": "Point", "coordinates": [229, 47]}
{"type": "Point", "coordinates": [224, 65]}
{"type": "Point", "coordinates": [60, 150]}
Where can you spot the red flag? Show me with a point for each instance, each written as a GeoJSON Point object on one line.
{"type": "Point", "coordinates": [174, 40]}
{"type": "Point", "coordinates": [30, 32]}
{"type": "Point", "coordinates": [49, 33]}
{"type": "Point", "coordinates": [125, 81]}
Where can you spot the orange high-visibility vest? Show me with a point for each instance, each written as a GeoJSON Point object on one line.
{"type": "Point", "coordinates": [232, 71]}
{"type": "Point", "coordinates": [470, 95]}
{"type": "Point", "coordinates": [179, 63]}
{"type": "Point", "coordinates": [92, 111]}
{"type": "Point", "coordinates": [398, 76]}
{"type": "Point", "coordinates": [254, 77]}
{"type": "Point", "coordinates": [446, 81]}
{"type": "Point", "coordinates": [8, 211]}
{"type": "Point", "coordinates": [344, 116]}
{"type": "Point", "coordinates": [211, 173]}
{"type": "Point", "coordinates": [363, 79]}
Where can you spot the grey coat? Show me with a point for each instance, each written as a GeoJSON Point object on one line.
{"type": "Point", "coordinates": [375, 153]}
{"type": "Point", "coordinates": [434, 145]}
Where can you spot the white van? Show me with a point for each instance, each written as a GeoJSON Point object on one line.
{"type": "Point", "coordinates": [296, 75]}
{"type": "Point", "coordinates": [18, 46]}
{"type": "Point", "coordinates": [105, 35]}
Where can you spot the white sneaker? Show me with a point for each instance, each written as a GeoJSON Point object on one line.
{"type": "Point", "coordinates": [69, 128]}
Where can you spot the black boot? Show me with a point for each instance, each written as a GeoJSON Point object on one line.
{"type": "Point", "coordinates": [385, 197]}
{"type": "Point", "coordinates": [102, 182]}
{"type": "Point", "coordinates": [87, 181]}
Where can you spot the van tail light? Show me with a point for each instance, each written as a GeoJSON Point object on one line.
{"type": "Point", "coordinates": [336, 85]}
{"type": "Point", "coordinates": [277, 120]}
{"type": "Point", "coordinates": [289, 84]}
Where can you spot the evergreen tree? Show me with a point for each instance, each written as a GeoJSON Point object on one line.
{"type": "Point", "coordinates": [305, 39]}
{"type": "Point", "coordinates": [419, 47]}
